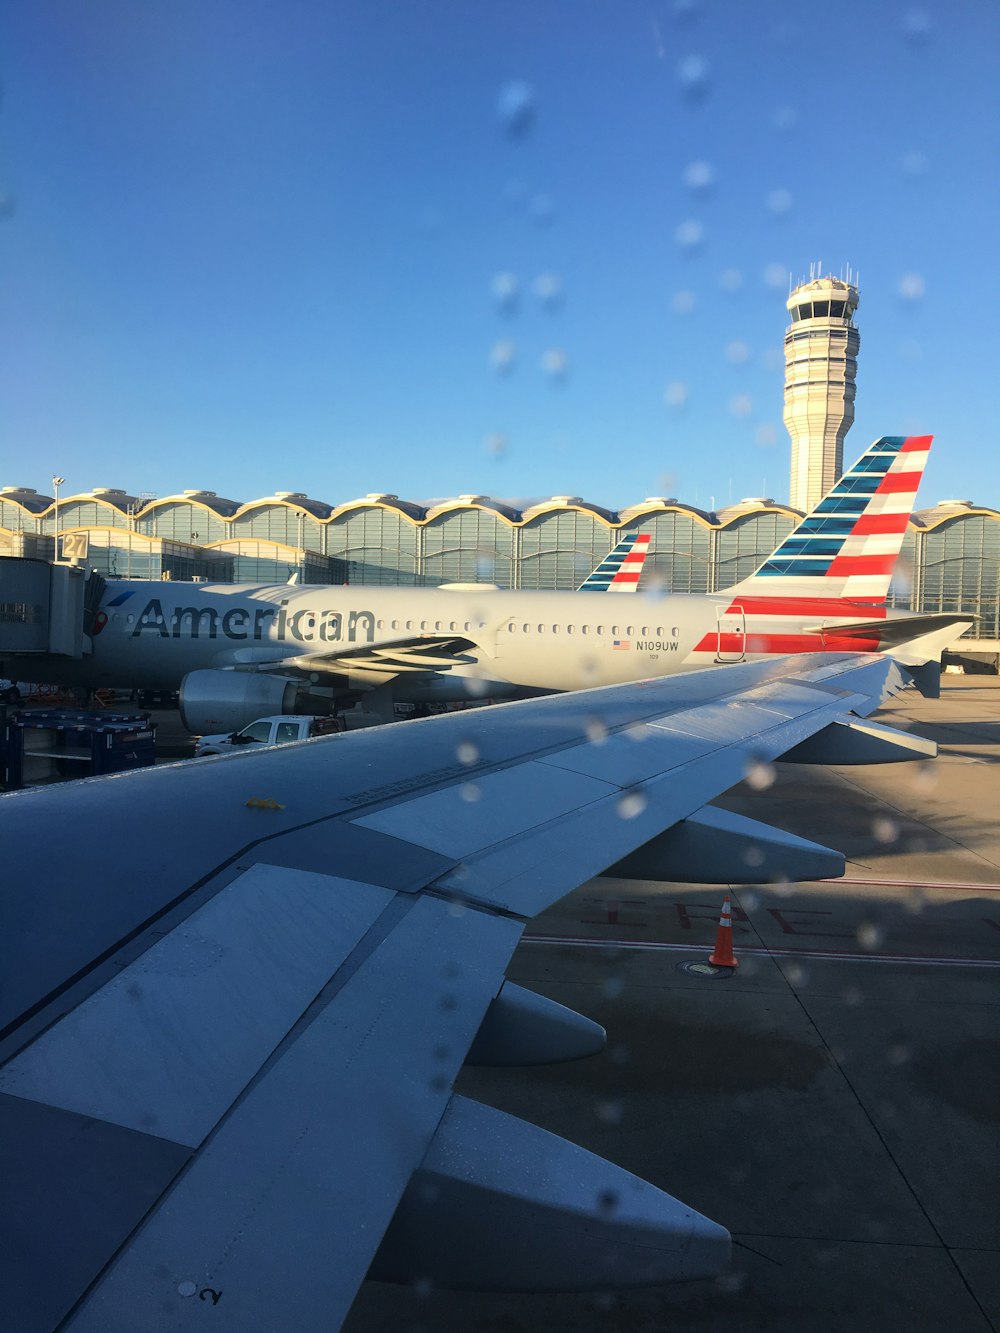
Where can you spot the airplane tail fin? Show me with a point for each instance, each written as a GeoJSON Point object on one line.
{"type": "Point", "coordinates": [620, 569]}
{"type": "Point", "coordinates": [847, 547]}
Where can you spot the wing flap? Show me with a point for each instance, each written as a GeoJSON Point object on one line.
{"type": "Point", "coordinates": [213, 998]}
{"type": "Point", "coordinates": [321, 1146]}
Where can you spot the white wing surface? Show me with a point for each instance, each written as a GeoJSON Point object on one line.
{"type": "Point", "coordinates": [237, 993]}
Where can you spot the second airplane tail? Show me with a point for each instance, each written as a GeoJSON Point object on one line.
{"type": "Point", "coordinates": [847, 547]}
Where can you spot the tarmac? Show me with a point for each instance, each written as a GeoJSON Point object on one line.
{"type": "Point", "coordinates": [833, 1101]}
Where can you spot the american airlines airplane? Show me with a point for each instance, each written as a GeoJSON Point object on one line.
{"type": "Point", "coordinates": [240, 652]}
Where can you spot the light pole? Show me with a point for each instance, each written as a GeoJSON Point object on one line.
{"type": "Point", "coordinates": [56, 483]}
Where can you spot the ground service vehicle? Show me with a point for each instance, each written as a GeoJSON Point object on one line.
{"type": "Point", "coordinates": [276, 730]}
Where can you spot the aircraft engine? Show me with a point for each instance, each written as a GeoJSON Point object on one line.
{"type": "Point", "coordinates": [214, 701]}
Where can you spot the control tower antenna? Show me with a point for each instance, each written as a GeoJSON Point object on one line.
{"type": "Point", "coordinates": [821, 364]}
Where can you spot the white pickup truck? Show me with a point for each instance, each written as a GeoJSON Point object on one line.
{"type": "Point", "coordinates": [277, 730]}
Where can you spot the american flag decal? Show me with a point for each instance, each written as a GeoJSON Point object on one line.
{"type": "Point", "coordinates": [621, 645]}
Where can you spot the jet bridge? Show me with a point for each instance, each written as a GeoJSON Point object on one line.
{"type": "Point", "coordinates": [45, 610]}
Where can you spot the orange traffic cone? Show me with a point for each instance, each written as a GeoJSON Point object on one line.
{"type": "Point", "coordinates": [722, 954]}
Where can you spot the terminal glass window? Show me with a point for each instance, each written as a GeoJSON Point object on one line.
{"type": "Point", "coordinates": [379, 544]}
{"type": "Point", "coordinates": [561, 547]}
{"type": "Point", "coordinates": [469, 546]}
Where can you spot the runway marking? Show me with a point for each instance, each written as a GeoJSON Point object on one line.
{"type": "Point", "coordinates": [819, 955]}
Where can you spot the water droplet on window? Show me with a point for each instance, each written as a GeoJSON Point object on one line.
{"type": "Point", "coordinates": [8, 205]}
{"type": "Point", "coordinates": [916, 26]}
{"type": "Point", "coordinates": [609, 1113]}
{"type": "Point", "coordinates": [731, 280]}
{"type": "Point", "coordinates": [852, 996]}
{"type": "Point", "coordinates": [737, 353]}
{"type": "Point", "coordinates": [548, 290]}
{"type": "Point", "coordinates": [595, 730]}
{"type": "Point", "coordinates": [759, 774]}
{"type": "Point", "coordinates": [187, 1288]}
{"type": "Point", "coordinates": [496, 445]}
{"type": "Point", "coordinates": [638, 731]}
{"type": "Point", "coordinates": [555, 364]}
{"type": "Point", "coordinates": [870, 935]}
{"type": "Point", "coordinates": [470, 791]}
{"type": "Point", "coordinates": [517, 108]}
{"type": "Point", "coordinates": [766, 435]}
{"type": "Point", "coordinates": [503, 356]}
{"type": "Point", "coordinates": [914, 163]}
{"type": "Point", "coordinates": [675, 395]}
{"type": "Point", "coordinates": [486, 566]}
{"type": "Point", "coordinates": [749, 899]}
{"type": "Point", "coordinates": [911, 287]}
{"type": "Point", "coordinates": [690, 235]}
{"type": "Point", "coordinates": [423, 1286]}
{"type": "Point", "coordinates": [699, 177]}
{"type": "Point", "coordinates": [506, 292]}
{"type": "Point", "coordinates": [618, 1054]}
{"type": "Point", "coordinates": [630, 804]}
{"type": "Point", "coordinates": [683, 303]}
{"type": "Point", "coordinates": [797, 975]}
{"type": "Point", "coordinates": [779, 202]}
{"type": "Point", "coordinates": [693, 78]}
{"type": "Point", "coordinates": [775, 275]}
{"type": "Point", "coordinates": [542, 209]}
{"type": "Point", "coordinates": [741, 405]}
{"type": "Point", "coordinates": [731, 1282]}
{"type": "Point", "coordinates": [753, 857]}
{"type": "Point", "coordinates": [886, 830]}
{"type": "Point", "coordinates": [607, 1201]}
{"type": "Point", "coordinates": [612, 987]}
{"type": "Point", "coordinates": [467, 752]}
{"type": "Point", "coordinates": [783, 118]}
{"type": "Point", "coordinates": [898, 1054]}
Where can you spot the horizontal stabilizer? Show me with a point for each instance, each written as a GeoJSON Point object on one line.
{"type": "Point", "coordinates": [900, 629]}
{"type": "Point", "coordinates": [523, 1028]}
{"type": "Point", "coordinates": [501, 1205]}
{"type": "Point", "coordinates": [860, 743]}
{"type": "Point", "coordinates": [717, 847]}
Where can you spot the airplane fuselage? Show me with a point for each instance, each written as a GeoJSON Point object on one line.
{"type": "Point", "coordinates": [151, 634]}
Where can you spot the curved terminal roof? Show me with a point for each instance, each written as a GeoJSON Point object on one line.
{"type": "Point", "coordinates": [216, 504]}
{"type": "Point", "coordinates": [28, 499]}
{"type": "Point", "coordinates": [569, 502]}
{"type": "Point", "coordinates": [504, 511]}
{"type": "Point", "coordinates": [661, 504]}
{"type": "Point", "coordinates": [296, 500]}
{"type": "Point", "coordinates": [105, 495]}
{"type": "Point", "coordinates": [950, 509]}
{"type": "Point", "coordinates": [382, 500]}
{"type": "Point", "coordinates": [754, 505]}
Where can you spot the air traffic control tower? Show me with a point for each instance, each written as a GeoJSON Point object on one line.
{"type": "Point", "coordinates": [821, 362]}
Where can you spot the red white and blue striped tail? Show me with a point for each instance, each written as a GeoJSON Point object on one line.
{"type": "Point", "coordinates": [847, 547]}
{"type": "Point", "coordinates": [620, 569]}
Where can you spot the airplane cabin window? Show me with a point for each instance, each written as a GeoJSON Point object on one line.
{"type": "Point", "coordinates": [525, 628]}
{"type": "Point", "coordinates": [616, 630]}
{"type": "Point", "coordinates": [423, 624]}
{"type": "Point", "coordinates": [569, 629]}
{"type": "Point", "coordinates": [395, 624]}
{"type": "Point", "coordinates": [600, 629]}
{"type": "Point", "coordinates": [630, 630]}
{"type": "Point", "coordinates": [453, 624]}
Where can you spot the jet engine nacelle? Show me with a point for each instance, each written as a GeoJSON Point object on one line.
{"type": "Point", "coordinates": [214, 701]}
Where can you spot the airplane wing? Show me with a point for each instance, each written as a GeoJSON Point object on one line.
{"type": "Point", "coordinates": [237, 993]}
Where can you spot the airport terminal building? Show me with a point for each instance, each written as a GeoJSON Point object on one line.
{"type": "Point", "coordinates": [950, 559]}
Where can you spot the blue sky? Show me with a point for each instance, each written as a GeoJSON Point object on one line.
{"type": "Point", "coordinates": [258, 246]}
